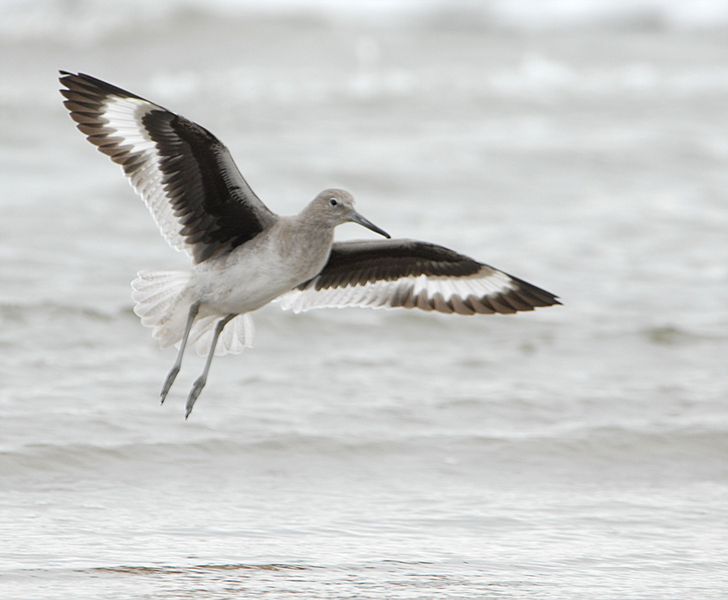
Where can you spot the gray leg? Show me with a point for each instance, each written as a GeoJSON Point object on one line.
{"type": "Point", "coordinates": [194, 309]}
{"type": "Point", "coordinates": [202, 379]}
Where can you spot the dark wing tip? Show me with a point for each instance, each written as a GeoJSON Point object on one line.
{"type": "Point", "coordinates": [534, 296]}
{"type": "Point", "coordinates": [80, 87]}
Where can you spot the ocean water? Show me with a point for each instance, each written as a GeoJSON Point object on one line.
{"type": "Point", "coordinates": [574, 452]}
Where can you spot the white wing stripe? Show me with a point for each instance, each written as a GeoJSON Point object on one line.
{"type": "Point", "coordinates": [443, 293]}
{"type": "Point", "coordinates": [124, 118]}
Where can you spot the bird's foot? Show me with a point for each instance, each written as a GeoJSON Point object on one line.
{"type": "Point", "coordinates": [171, 376]}
{"type": "Point", "coordinates": [194, 393]}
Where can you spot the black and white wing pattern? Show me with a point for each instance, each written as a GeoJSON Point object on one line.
{"type": "Point", "coordinates": [184, 174]}
{"type": "Point", "coordinates": [411, 274]}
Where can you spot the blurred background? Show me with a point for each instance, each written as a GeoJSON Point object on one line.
{"type": "Point", "coordinates": [574, 452]}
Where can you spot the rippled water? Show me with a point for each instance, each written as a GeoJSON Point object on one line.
{"type": "Point", "coordinates": [575, 452]}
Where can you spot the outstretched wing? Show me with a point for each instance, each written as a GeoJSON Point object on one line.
{"type": "Point", "coordinates": [184, 174]}
{"type": "Point", "coordinates": [410, 274]}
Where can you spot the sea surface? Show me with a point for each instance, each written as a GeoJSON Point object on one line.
{"type": "Point", "coordinates": [576, 452]}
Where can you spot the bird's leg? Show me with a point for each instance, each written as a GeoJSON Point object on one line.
{"type": "Point", "coordinates": [194, 309]}
{"type": "Point", "coordinates": [202, 379]}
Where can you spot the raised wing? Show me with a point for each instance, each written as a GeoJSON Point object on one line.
{"type": "Point", "coordinates": [410, 274]}
{"type": "Point", "coordinates": [185, 175]}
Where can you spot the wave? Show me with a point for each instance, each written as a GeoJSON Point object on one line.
{"type": "Point", "coordinates": [87, 21]}
{"type": "Point", "coordinates": [20, 312]}
{"type": "Point", "coordinates": [613, 447]}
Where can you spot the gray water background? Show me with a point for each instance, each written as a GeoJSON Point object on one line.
{"type": "Point", "coordinates": [575, 452]}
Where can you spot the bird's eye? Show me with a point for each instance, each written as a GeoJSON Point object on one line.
{"type": "Point", "coordinates": [333, 202]}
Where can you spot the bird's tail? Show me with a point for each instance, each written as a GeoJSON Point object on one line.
{"type": "Point", "coordinates": [160, 302]}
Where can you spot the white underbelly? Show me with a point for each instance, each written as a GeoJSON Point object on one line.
{"type": "Point", "coordinates": [247, 280]}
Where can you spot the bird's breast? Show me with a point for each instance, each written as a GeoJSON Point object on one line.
{"type": "Point", "coordinates": [257, 272]}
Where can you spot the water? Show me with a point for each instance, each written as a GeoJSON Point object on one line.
{"type": "Point", "coordinates": [575, 452]}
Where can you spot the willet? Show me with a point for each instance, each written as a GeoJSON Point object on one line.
{"type": "Point", "coordinates": [244, 255]}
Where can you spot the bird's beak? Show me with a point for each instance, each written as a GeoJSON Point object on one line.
{"type": "Point", "coordinates": [359, 220]}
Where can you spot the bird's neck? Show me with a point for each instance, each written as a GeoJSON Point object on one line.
{"type": "Point", "coordinates": [306, 239]}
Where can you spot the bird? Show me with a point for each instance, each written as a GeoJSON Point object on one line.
{"type": "Point", "coordinates": [244, 255]}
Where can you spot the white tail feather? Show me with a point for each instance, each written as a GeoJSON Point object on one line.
{"type": "Point", "coordinates": [161, 304]}
{"type": "Point", "coordinates": [157, 296]}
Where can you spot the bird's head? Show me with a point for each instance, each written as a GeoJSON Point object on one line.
{"type": "Point", "coordinates": [336, 206]}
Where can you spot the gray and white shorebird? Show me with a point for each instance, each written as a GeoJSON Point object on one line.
{"type": "Point", "coordinates": [244, 255]}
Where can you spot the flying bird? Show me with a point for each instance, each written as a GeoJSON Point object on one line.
{"type": "Point", "coordinates": [244, 255]}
